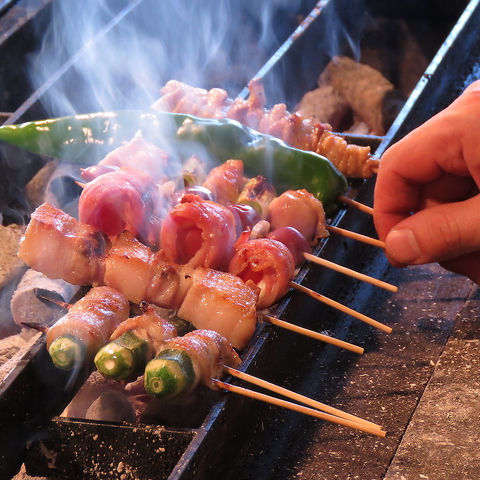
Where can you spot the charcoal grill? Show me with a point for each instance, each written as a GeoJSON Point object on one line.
{"type": "Point", "coordinates": [241, 438]}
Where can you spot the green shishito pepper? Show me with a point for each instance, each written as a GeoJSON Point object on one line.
{"type": "Point", "coordinates": [86, 139]}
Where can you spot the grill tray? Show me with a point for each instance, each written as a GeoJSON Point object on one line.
{"type": "Point", "coordinates": [71, 448]}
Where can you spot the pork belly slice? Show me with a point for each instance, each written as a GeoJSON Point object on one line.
{"type": "Point", "coordinates": [59, 246]}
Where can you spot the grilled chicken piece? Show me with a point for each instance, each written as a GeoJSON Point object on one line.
{"type": "Point", "coordinates": [220, 301]}
{"type": "Point", "coordinates": [301, 210]}
{"type": "Point", "coordinates": [143, 275]}
{"type": "Point", "coordinates": [226, 181]}
{"type": "Point", "coordinates": [295, 129]}
{"type": "Point", "coordinates": [198, 232]}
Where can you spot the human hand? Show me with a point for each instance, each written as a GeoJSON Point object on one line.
{"type": "Point", "coordinates": [427, 202]}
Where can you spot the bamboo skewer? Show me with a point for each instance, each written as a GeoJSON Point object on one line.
{"type": "Point", "coordinates": [44, 296]}
{"type": "Point", "coordinates": [342, 308]}
{"type": "Point", "coordinates": [36, 326]}
{"type": "Point", "coordinates": [355, 236]}
{"type": "Point", "coordinates": [350, 272]}
{"type": "Point", "coordinates": [299, 398]}
{"type": "Point", "coordinates": [312, 334]}
{"type": "Point", "coordinates": [357, 205]}
{"type": "Point", "coordinates": [299, 408]}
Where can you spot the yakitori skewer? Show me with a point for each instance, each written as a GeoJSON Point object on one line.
{"type": "Point", "coordinates": [342, 308]}
{"type": "Point", "coordinates": [299, 408]}
{"type": "Point", "coordinates": [355, 236]}
{"type": "Point", "coordinates": [312, 334]}
{"type": "Point", "coordinates": [204, 356]}
{"type": "Point", "coordinates": [299, 398]}
{"type": "Point", "coordinates": [350, 272]}
{"type": "Point", "coordinates": [359, 206]}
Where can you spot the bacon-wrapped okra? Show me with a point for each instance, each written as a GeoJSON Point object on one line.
{"type": "Point", "coordinates": [184, 362]}
{"type": "Point", "coordinates": [77, 336]}
{"type": "Point", "coordinates": [133, 343]}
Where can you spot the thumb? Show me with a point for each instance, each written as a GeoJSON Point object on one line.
{"type": "Point", "coordinates": [436, 234]}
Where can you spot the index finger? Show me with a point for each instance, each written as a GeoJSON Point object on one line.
{"type": "Point", "coordinates": [439, 146]}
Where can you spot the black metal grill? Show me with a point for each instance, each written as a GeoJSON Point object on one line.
{"type": "Point", "coordinates": [241, 438]}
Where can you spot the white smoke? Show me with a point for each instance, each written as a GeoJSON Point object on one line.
{"type": "Point", "coordinates": [99, 55]}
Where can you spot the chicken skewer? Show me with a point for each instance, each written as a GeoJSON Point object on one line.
{"type": "Point", "coordinates": [266, 265]}
{"type": "Point", "coordinates": [294, 129]}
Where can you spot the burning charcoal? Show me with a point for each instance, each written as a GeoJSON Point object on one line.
{"type": "Point", "coordinates": [111, 407]}
{"type": "Point", "coordinates": [326, 105]}
{"type": "Point", "coordinates": [182, 412]}
{"type": "Point", "coordinates": [11, 271]}
{"type": "Point", "coordinates": [27, 307]}
{"type": "Point", "coordinates": [365, 89]}
{"type": "Point", "coordinates": [36, 188]}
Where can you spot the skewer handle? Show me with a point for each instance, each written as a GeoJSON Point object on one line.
{"type": "Point", "coordinates": [349, 272]}
{"type": "Point", "coordinates": [356, 236]}
{"type": "Point", "coordinates": [312, 334]}
{"type": "Point", "coordinates": [342, 308]}
{"type": "Point", "coordinates": [299, 408]}
{"type": "Point", "coordinates": [359, 206]}
{"type": "Point", "coordinates": [299, 398]}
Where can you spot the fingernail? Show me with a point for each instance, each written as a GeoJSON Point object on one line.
{"type": "Point", "coordinates": [402, 246]}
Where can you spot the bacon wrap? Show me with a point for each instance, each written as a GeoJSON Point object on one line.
{"type": "Point", "coordinates": [149, 326]}
{"type": "Point", "coordinates": [124, 199]}
{"type": "Point", "coordinates": [301, 210]}
{"type": "Point", "coordinates": [198, 232]}
{"type": "Point", "coordinates": [139, 154]}
{"type": "Point", "coordinates": [59, 246]}
{"type": "Point", "coordinates": [209, 352]}
{"type": "Point", "coordinates": [226, 181]}
{"type": "Point", "coordinates": [222, 302]}
{"type": "Point", "coordinates": [143, 275]}
{"type": "Point", "coordinates": [92, 319]}
{"type": "Point", "coordinates": [265, 265]}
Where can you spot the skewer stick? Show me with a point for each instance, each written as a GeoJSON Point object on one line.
{"type": "Point", "coordinates": [357, 205]}
{"type": "Point", "coordinates": [36, 326]}
{"type": "Point", "coordinates": [351, 273]}
{"type": "Point", "coordinates": [299, 398]}
{"type": "Point", "coordinates": [44, 296]}
{"type": "Point", "coordinates": [299, 408]}
{"type": "Point", "coordinates": [312, 334]}
{"type": "Point", "coordinates": [340, 307]}
{"type": "Point", "coordinates": [355, 236]}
